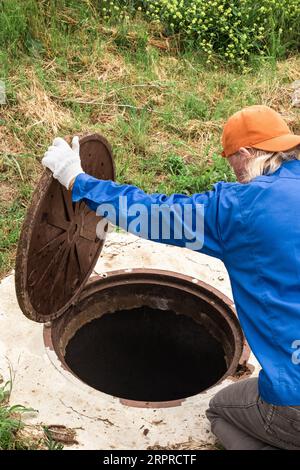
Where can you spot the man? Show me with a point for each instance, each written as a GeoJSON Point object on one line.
{"type": "Point", "coordinates": [253, 226]}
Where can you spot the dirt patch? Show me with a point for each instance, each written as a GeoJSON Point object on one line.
{"type": "Point", "coordinates": [40, 437]}
{"type": "Point", "coordinates": [9, 142]}
{"type": "Point", "coordinates": [7, 193]}
{"type": "Point", "coordinates": [188, 445]}
{"type": "Point", "coordinates": [243, 371]}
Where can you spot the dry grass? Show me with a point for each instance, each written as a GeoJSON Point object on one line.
{"type": "Point", "coordinates": [38, 109]}
{"type": "Point", "coordinates": [154, 105]}
{"type": "Point", "coordinates": [9, 141]}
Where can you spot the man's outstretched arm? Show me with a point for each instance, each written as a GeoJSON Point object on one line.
{"type": "Point", "coordinates": [186, 221]}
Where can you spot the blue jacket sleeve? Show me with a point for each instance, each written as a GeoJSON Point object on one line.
{"type": "Point", "coordinates": [190, 222]}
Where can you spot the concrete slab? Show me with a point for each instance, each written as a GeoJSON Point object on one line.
{"type": "Point", "coordinates": [101, 421]}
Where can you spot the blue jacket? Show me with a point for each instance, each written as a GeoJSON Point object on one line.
{"type": "Point", "coordinates": [254, 229]}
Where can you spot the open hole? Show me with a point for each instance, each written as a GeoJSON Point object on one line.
{"type": "Point", "coordinates": [146, 355]}
{"type": "Point", "coordinates": [148, 337]}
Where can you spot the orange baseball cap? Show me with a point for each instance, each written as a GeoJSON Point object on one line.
{"type": "Point", "coordinates": [258, 127]}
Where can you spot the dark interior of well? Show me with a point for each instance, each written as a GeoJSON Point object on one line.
{"type": "Point", "coordinates": [146, 354]}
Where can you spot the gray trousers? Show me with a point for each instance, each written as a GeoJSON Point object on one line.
{"type": "Point", "coordinates": [241, 420]}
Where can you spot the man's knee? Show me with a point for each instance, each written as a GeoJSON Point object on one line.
{"type": "Point", "coordinates": [216, 404]}
{"type": "Point", "coordinates": [213, 412]}
{"type": "Point", "coordinates": [234, 395]}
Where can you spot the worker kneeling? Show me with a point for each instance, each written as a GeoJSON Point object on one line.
{"type": "Point", "coordinates": [253, 226]}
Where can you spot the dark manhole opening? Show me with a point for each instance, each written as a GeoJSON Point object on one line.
{"type": "Point", "coordinates": [146, 354]}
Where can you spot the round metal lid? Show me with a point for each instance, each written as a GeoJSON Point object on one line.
{"type": "Point", "coordinates": [58, 246]}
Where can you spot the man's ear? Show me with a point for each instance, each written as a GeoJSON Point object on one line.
{"type": "Point", "coordinates": [244, 152]}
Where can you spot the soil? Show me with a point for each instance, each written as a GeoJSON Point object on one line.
{"type": "Point", "coordinates": [7, 193]}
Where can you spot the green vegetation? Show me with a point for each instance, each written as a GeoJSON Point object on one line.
{"type": "Point", "coordinates": [234, 30]}
{"type": "Point", "coordinates": [161, 107]}
{"type": "Point", "coordinates": [14, 433]}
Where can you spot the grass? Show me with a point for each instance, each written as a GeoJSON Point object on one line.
{"type": "Point", "coordinates": [15, 434]}
{"type": "Point", "coordinates": [161, 109]}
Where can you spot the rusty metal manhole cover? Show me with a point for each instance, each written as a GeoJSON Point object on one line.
{"type": "Point", "coordinates": [58, 246]}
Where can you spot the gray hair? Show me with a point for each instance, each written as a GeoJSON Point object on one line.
{"type": "Point", "coordinates": [262, 162]}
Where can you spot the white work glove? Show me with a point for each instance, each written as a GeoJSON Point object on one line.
{"type": "Point", "coordinates": [63, 161]}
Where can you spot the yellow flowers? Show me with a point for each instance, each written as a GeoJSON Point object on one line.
{"type": "Point", "coordinates": [230, 29]}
